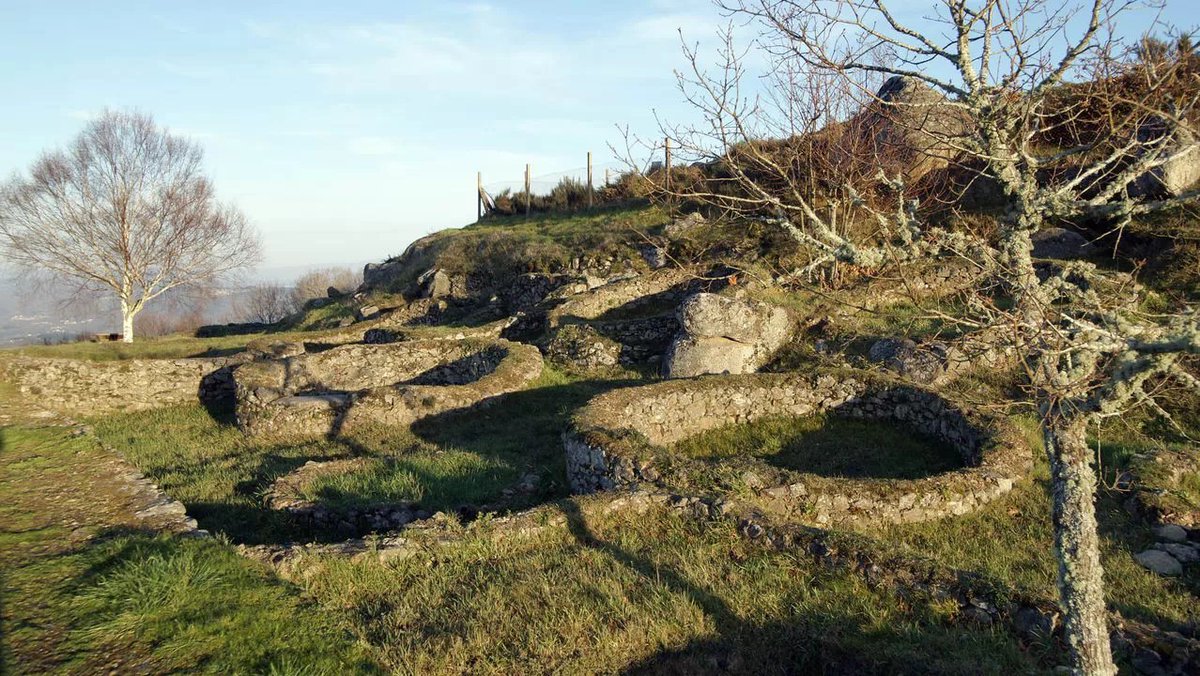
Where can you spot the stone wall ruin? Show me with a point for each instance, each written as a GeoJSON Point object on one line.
{"type": "Point", "coordinates": [620, 440]}
{"type": "Point", "coordinates": [325, 393]}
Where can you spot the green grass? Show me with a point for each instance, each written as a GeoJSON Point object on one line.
{"type": "Point", "coordinates": [84, 591]}
{"type": "Point", "coordinates": [829, 446]}
{"type": "Point", "coordinates": [566, 227]}
{"type": "Point", "coordinates": [1011, 541]}
{"type": "Point", "coordinates": [646, 593]}
{"type": "Point", "coordinates": [446, 462]}
{"type": "Point", "coordinates": [497, 249]}
{"type": "Point", "coordinates": [167, 347]}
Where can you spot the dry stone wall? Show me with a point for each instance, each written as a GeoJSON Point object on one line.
{"type": "Point", "coordinates": [82, 387]}
{"type": "Point", "coordinates": [619, 440]}
{"type": "Point", "coordinates": [329, 392]}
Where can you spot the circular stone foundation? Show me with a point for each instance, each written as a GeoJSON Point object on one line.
{"type": "Point", "coordinates": [623, 438]}
{"type": "Point", "coordinates": [330, 392]}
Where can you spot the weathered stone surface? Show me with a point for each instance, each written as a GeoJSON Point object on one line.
{"type": "Point", "coordinates": [1171, 533]}
{"type": "Point", "coordinates": [1060, 243]}
{"type": "Point", "coordinates": [367, 312]}
{"type": "Point", "coordinates": [920, 363]}
{"type": "Point", "coordinates": [725, 335]}
{"type": "Point", "coordinates": [912, 126]}
{"type": "Point", "coordinates": [1180, 168]}
{"type": "Point", "coordinates": [1160, 562]}
{"type": "Point", "coordinates": [1184, 553]}
{"type": "Point", "coordinates": [326, 392]}
{"type": "Point", "coordinates": [77, 386]}
{"type": "Point", "coordinates": [692, 356]}
{"type": "Point", "coordinates": [583, 347]}
{"type": "Point", "coordinates": [683, 226]}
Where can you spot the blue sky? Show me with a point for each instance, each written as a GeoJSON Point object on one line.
{"type": "Point", "coordinates": [346, 129]}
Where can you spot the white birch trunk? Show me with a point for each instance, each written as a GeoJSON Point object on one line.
{"type": "Point", "coordinates": [127, 313]}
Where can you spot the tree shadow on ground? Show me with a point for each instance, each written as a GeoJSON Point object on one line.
{"type": "Point", "coordinates": [522, 428]}
{"type": "Point", "coordinates": [514, 434]}
{"type": "Point", "coordinates": [830, 641]}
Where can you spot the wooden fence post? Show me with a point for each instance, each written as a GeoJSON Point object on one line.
{"type": "Point", "coordinates": [591, 191]}
{"type": "Point", "coordinates": [528, 194]}
{"type": "Point", "coordinates": [479, 195]}
{"type": "Point", "coordinates": [667, 164]}
{"type": "Point", "coordinates": [667, 176]}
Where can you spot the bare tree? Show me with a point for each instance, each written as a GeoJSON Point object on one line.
{"type": "Point", "coordinates": [125, 209]}
{"type": "Point", "coordinates": [268, 303]}
{"type": "Point", "coordinates": [316, 284]}
{"type": "Point", "coordinates": [1038, 99]}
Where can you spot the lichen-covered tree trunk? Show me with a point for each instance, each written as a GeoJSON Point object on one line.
{"type": "Point", "coordinates": [1077, 543]}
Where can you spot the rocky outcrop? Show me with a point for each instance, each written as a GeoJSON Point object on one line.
{"type": "Point", "coordinates": [912, 127]}
{"type": "Point", "coordinates": [438, 284]}
{"type": "Point", "coordinates": [725, 335]}
{"type": "Point", "coordinates": [1179, 156]}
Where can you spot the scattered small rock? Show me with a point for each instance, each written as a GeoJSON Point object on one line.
{"type": "Point", "coordinates": [1158, 561]}
{"type": "Point", "coordinates": [1183, 552]}
{"type": "Point", "coordinates": [1171, 533]}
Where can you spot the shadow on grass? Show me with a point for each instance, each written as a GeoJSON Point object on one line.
{"type": "Point", "coordinates": [520, 428]}
{"type": "Point", "coordinates": [462, 461]}
{"type": "Point", "coordinates": [829, 641]}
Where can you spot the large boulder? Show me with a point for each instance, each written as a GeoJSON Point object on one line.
{"type": "Point", "coordinates": [725, 335]}
{"type": "Point", "coordinates": [697, 355]}
{"type": "Point", "coordinates": [437, 284]}
{"type": "Point", "coordinates": [1179, 171]}
{"type": "Point", "coordinates": [376, 275]}
{"type": "Point", "coordinates": [913, 126]}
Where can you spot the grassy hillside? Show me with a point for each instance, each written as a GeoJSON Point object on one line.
{"type": "Point", "coordinates": [606, 591]}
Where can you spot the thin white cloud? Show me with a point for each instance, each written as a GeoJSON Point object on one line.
{"type": "Point", "coordinates": [373, 146]}
{"type": "Point", "coordinates": [484, 53]}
